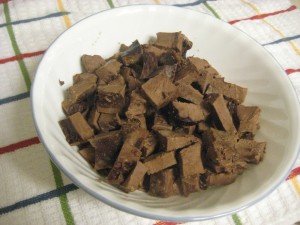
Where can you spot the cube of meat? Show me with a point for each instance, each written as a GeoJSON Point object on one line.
{"type": "Point", "coordinates": [160, 123]}
{"type": "Point", "coordinates": [160, 161]}
{"type": "Point", "coordinates": [72, 137]}
{"type": "Point", "coordinates": [81, 91]}
{"type": "Point", "coordinates": [85, 77]}
{"type": "Point", "coordinates": [92, 62]}
{"type": "Point", "coordinates": [150, 64]}
{"type": "Point", "coordinates": [137, 105]}
{"type": "Point", "coordinates": [248, 117]}
{"type": "Point", "coordinates": [149, 145]}
{"type": "Point", "coordinates": [160, 91]}
{"type": "Point", "coordinates": [108, 122]}
{"type": "Point", "coordinates": [187, 92]}
{"type": "Point", "coordinates": [250, 150]}
{"type": "Point", "coordinates": [81, 126]}
{"type": "Point", "coordinates": [129, 155]}
{"type": "Point", "coordinates": [109, 71]}
{"type": "Point", "coordinates": [220, 179]}
{"type": "Point", "coordinates": [88, 154]}
{"type": "Point", "coordinates": [107, 147]}
{"type": "Point", "coordinates": [133, 54]}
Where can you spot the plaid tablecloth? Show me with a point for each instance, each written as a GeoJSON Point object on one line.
{"type": "Point", "coordinates": [32, 189]}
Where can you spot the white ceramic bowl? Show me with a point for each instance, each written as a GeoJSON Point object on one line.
{"type": "Point", "coordinates": [236, 56]}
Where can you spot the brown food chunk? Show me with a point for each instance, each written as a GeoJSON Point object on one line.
{"type": "Point", "coordinates": [160, 123]}
{"type": "Point", "coordinates": [230, 91]}
{"type": "Point", "coordinates": [160, 91]}
{"type": "Point", "coordinates": [190, 161]}
{"type": "Point", "coordinates": [92, 62]}
{"type": "Point", "coordinates": [109, 71]}
{"type": "Point", "coordinates": [160, 161]}
{"type": "Point", "coordinates": [135, 178]}
{"type": "Point", "coordinates": [149, 145]}
{"type": "Point", "coordinates": [81, 126]}
{"type": "Point", "coordinates": [137, 105]}
{"type": "Point", "coordinates": [166, 70]}
{"type": "Point", "coordinates": [107, 147]}
{"type": "Point", "coordinates": [188, 113]}
{"type": "Point", "coordinates": [131, 81]}
{"type": "Point", "coordinates": [250, 151]}
{"type": "Point", "coordinates": [150, 64]}
{"type": "Point", "coordinates": [108, 122]}
{"type": "Point", "coordinates": [162, 183]}
{"type": "Point", "coordinates": [219, 105]}
{"type": "Point", "coordinates": [72, 137]}
{"type": "Point", "coordinates": [88, 154]}
{"type": "Point", "coordinates": [85, 77]}
{"type": "Point", "coordinates": [130, 153]}
{"type": "Point", "coordinates": [248, 117]}
{"type": "Point", "coordinates": [81, 91]}
{"type": "Point", "coordinates": [190, 184]}
{"type": "Point", "coordinates": [170, 141]}
{"type": "Point", "coordinates": [111, 98]}
{"type": "Point", "coordinates": [190, 94]}
{"type": "Point", "coordinates": [71, 107]}
{"type": "Point", "coordinates": [133, 54]}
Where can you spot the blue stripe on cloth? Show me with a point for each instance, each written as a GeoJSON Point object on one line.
{"type": "Point", "coordinates": [192, 3]}
{"type": "Point", "coordinates": [14, 98]}
{"type": "Point", "coordinates": [283, 40]}
{"type": "Point", "coordinates": [39, 198]}
{"type": "Point", "coordinates": [57, 14]}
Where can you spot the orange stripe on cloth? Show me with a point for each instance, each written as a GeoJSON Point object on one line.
{"type": "Point", "coordinates": [65, 17]}
{"type": "Point", "coordinates": [258, 12]}
{"type": "Point", "coordinates": [166, 223]}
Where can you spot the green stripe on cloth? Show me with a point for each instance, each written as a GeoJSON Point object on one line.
{"type": "Point", "coordinates": [111, 4]}
{"type": "Point", "coordinates": [15, 46]}
{"type": "Point", "coordinates": [236, 219]}
{"type": "Point", "coordinates": [62, 198]}
{"type": "Point", "coordinates": [212, 10]}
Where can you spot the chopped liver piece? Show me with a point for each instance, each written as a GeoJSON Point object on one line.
{"type": "Point", "coordinates": [150, 64]}
{"type": "Point", "coordinates": [190, 94]}
{"type": "Point", "coordinates": [140, 119]}
{"type": "Point", "coordinates": [190, 184]}
{"type": "Point", "coordinates": [107, 147]}
{"type": "Point", "coordinates": [93, 119]}
{"type": "Point", "coordinates": [188, 113]}
{"type": "Point", "coordinates": [230, 91]}
{"type": "Point", "coordinates": [88, 154]}
{"type": "Point", "coordinates": [85, 77]}
{"type": "Point", "coordinates": [72, 137]}
{"type": "Point", "coordinates": [130, 153]}
{"type": "Point", "coordinates": [160, 123]}
{"type": "Point", "coordinates": [166, 70]}
{"type": "Point", "coordinates": [128, 126]}
{"type": "Point", "coordinates": [162, 183]}
{"type": "Point", "coordinates": [111, 98]}
{"type": "Point", "coordinates": [108, 122]}
{"type": "Point", "coordinates": [176, 41]}
{"type": "Point", "coordinates": [137, 105]}
{"type": "Point", "coordinates": [109, 71]}
{"type": "Point", "coordinates": [187, 74]}
{"type": "Point", "coordinates": [81, 90]}
{"type": "Point", "coordinates": [133, 54]}
{"type": "Point", "coordinates": [221, 179]}
{"type": "Point", "coordinates": [92, 62]}
{"type": "Point", "coordinates": [160, 91]}
{"type": "Point", "coordinates": [149, 145]}
{"type": "Point", "coordinates": [81, 126]}
{"type": "Point", "coordinates": [71, 107]}
{"type": "Point", "coordinates": [160, 161]}
{"type": "Point", "coordinates": [135, 178]}
{"type": "Point", "coordinates": [131, 81]}
{"type": "Point", "coordinates": [251, 151]}
{"type": "Point", "coordinates": [219, 105]}
{"type": "Point", "coordinates": [190, 161]}
{"type": "Point", "coordinates": [170, 141]}
{"type": "Point", "coordinates": [248, 117]}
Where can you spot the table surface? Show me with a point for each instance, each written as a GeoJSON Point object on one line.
{"type": "Point", "coordinates": [32, 189]}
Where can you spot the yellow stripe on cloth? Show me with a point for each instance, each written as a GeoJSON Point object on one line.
{"type": "Point", "coordinates": [258, 12]}
{"type": "Point", "coordinates": [296, 185]}
{"type": "Point", "coordinates": [65, 17]}
{"type": "Point", "coordinates": [157, 2]}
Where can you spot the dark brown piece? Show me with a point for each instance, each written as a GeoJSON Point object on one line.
{"type": "Point", "coordinates": [70, 133]}
{"type": "Point", "coordinates": [85, 77]}
{"type": "Point", "coordinates": [137, 105]}
{"type": "Point", "coordinates": [160, 91]}
{"type": "Point", "coordinates": [248, 118]}
{"type": "Point", "coordinates": [131, 81]}
{"type": "Point", "coordinates": [88, 154]}
{"type": "Point", "coordinates": [160, 161]}
{"type": "Point", "coordinates": [160, 123]}
{"type": "Point", "coordinates": [108, 72]}
{"type": "Point", "coordinates": [190, 184]}
{"type": "Point", "coordinates": [92, 62]}
{"type": "Point", "coordinates": [81, 91]}
{"type": "Point", "coordinates": [93, 119]}
{"type": "Point", "coordinates": [135, 178]}
{"type": "Point", "coordinates": [71, 107]}
{"type": "Point", "coordinates": [187, 92]}
{"type": "Point", "coordinates": [220, 179]}
{"type": "Point", "coordinates": [108, 122]}
{"type": "Point", "coordinates": [133, 54]}
{"type": "Point", "coordinates": [81, 126]}
{"type": "Point", "coordinates": [219, 105]}
{"type": "Point", "coordinates": [149, 145]}
{"type": "Point", "coordinates": [150, 64]}
{"type": "Point", "coordinates": [107, 147]}
{"type": "Point", "coordinates": [170, 141]}
{"type": "Point", "coordinates": [128, 156]}
{"type": "Point", "coordinates": [162, 183]}
{"type": "Point", "coordinates": [251, 151]}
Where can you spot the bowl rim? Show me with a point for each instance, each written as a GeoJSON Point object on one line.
{"type": "Point", "coordinates": [122, 207]}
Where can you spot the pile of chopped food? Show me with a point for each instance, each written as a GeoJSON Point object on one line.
{"type": "Point", "coordinates": [151, 118]}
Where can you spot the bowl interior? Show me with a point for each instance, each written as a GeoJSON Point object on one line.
{"type": "Point", "coordinates": [236, 56]}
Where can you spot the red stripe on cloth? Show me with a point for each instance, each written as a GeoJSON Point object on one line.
{"type": "Point", "coordinates": [261, 16]}
{"type": "Point", "coordinates": [22, 56]}
{"type": "Point", "coordinates": [294, 172]}
{"type": "Point", "coordinates": [4, 1]}
{"type": "Point", "coordinates": [289, 71]}
{"type": "Point", "coordinates": [166, 223]}
{"type": "Point", "coordinates": [18, 145]}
